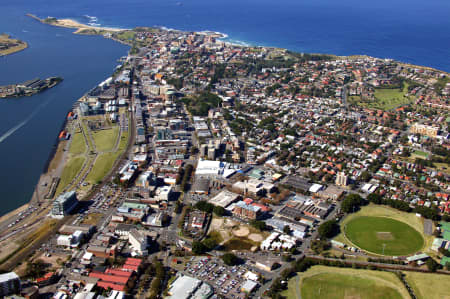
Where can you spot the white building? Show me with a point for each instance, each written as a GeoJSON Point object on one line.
{"type": "Point", "coordinates": [138, 242]}
{"type": "Point", "coordinates": [164, 193]}
{"type": "Point", "coordinates": [9, 284]}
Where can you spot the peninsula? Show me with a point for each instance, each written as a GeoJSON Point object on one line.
{"type": "Point", "coordinates": [69, 23]}
{"type": "Point", "coordinates": [28, 88]}
{"type": "Point", "coordinates": [9, 45]}
{"type": "Point", "coordinates": [206, 169]}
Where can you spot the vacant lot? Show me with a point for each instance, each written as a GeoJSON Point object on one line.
{"type": "Point", "coordinates": [429, 286]}
{"type": "Point", "coordinates": [105, 139]}
{"type": "Point", "coordinates": [70, 171]}
{"type": "Point", "coordinates": [77, 145]}
{"type": "Point", "coordinates": [102, 166]}
{"type": "Point", "coordinates": [382, 235]}
{"type": "Point", "coordinates": [92, 218]}
{"type": "Point", "coordinates": [329, 282]}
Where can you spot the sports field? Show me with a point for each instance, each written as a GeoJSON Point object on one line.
{"type": "Point", "coordinates": [330, 282]}
{"type": "Point", "coordinates": [383, 235]}
{"type": "Point", "coordinates": [373, 210]}
{"type": "Point", "coordinates": [428, 285]}
{"type": "Point", "coordinates": [385, 98]}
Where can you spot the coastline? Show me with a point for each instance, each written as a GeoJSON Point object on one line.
{"type": "Point", "coordinates": [225, 38]}
{"type": "Point", "coordinates": [14, 213]}
{"type": "Point", "coordinates": [70, 23]}
{"type": "Point", "coordinates": [14, 50]}
{"type": "Point", "coordinates": [21, 45]}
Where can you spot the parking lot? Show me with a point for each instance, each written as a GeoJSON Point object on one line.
{"type": "Point", "coordinates": [226, 281]}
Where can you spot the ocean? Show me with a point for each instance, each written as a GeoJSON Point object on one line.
{"type": "Point", "coordinates": [412, 31]}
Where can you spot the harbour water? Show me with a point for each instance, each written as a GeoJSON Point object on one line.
{"type": "Point", "coordinates": [412, 31]}
{"type": "Point", "coordinates": [29, 125]}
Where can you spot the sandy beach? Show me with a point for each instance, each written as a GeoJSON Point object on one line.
{"type": "Point", "coordinates": [69, 23]}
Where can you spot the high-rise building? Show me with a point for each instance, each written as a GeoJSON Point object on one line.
{"type": "Point", "coordinates": [211, 153]}
{"type": "Point", "coordinates": [64, 204]}
{"type": "Point", "coordinates": [203, 150]}
{"type": "Point", "coordinates": [9, 284]}
{"type": "Point", "coordinates": [341, 179]}
{"type": "Point", "coordinates": [430, 131]}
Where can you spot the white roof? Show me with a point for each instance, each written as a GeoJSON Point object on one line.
{"type": "Point", "coordinates": [205, 167]}
{"type": "Point", "coordinates": [315, 188]}
{"type": "Point", "coordinates": [224, 198]}
{"type": "Point", "coordinates": [8, 276]}
{"type": "Point", "coordinates": [251, 276]}
{"type": "Point", "coordinates": [248, 286]}
{"type": "Point", "coordinates": [87, 256]}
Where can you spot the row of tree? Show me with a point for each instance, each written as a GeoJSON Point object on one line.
{"type": "Point", "coordinates": [209, 208]}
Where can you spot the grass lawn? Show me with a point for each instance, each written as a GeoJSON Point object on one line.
{"type": "Point", "coordinates": [105, 139]}
{"type": "Point", "coordinates": [385, 99]}
{"type": "Point", "coordinates": [428, 285]}
{"type": "Point", "coordinates": [102, 166]}
{"type": "Point", "coordinates": [384, 211]}
{"type": "Point", "coordinates": [77, 145]}
{"type": "Point", "coordinates": [85, 129]}
{"type": "Point", "coordinates": [105, 161]}
{"type": "Point", "coordinates": [216, 236]}
{"type": "Point", "coordinates": [421, 154]}
{"type": "Point", "coordinates": [92, 218]}
{"type": "Point", "coordinates": [371, 233]}
{"type": "Point", "coordinates": [69, 172]}
{"type": "Point", "coordinates": [126, 35]}
{"type": "Point", "coordinates": [123, 141]}
{"type": "Point", "coordinates": [330, 282]}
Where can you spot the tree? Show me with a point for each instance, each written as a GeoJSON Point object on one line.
{"type": "Point", "coordinates": [204, 206]}
{"type": "Point", "coordinates": [209, 243]}
{"type": "Point", "coordinates": [36, 269]}
{"type": "Point", "coordinates": [286, 229]}
{"type": "Point", "coordinates": [352, 203]}
{"type": "Point", "coordinates": [258, 224]}
{"type": "Point", "coordinates": [178, 207]}
{"type": "Point", "coordinates": [318, 246]}
{"type": "Point", "coordinates": [219, 211]}
{"type": "Point", "coordinates": [375, 198]}
{"type": "Point", "coordinates": [432, 265]}
{"type": "Point", "coordinates": [365, 176]}
{"type": "Point", "coordinates": [286, 257]}
{"type": "Point", "coordinates": [328, 229]}
{"type": "Point", "coordinates": [198, 247]}
{"type": "Point", "coordinates": [230, 259]}
{"type": "Point", "coordinates": [444, 252]}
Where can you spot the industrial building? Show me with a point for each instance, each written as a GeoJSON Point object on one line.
{"type": "Point", "coordinates": [184, 287]}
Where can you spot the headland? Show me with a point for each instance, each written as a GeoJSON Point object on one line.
{"type": "Point", "coordinates": [28, 88]}
{"type": "Point", "coordinates": [9, 45]}
{"type": "Point", "coordinates": [80, 28]}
